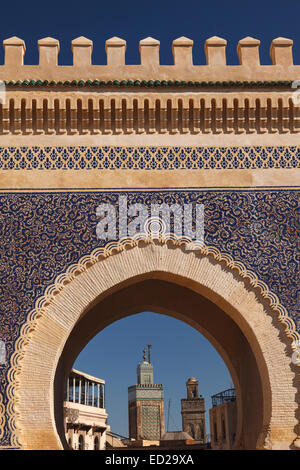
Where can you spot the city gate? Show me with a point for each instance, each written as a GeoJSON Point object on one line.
{"type": "Point", "coordinates": [75, 137]}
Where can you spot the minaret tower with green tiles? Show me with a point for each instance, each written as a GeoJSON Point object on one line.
{"type": "Point", "coordinates": [146, 404]}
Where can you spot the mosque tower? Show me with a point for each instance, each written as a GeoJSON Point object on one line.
{"type": "Point", "coordinates": [146, 404]}
{"type": "Point", "coordinates": [193, 411]}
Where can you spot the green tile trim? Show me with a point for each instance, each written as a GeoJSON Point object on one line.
{"type": "Point", "coordinates": [145, 83]}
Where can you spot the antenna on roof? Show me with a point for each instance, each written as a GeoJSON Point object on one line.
{"type": "Point", "coordinates": [149, 357]}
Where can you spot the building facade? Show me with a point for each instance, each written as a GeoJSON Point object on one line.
{"type": "Point", "coordinates": [223, 420]}
{"type": "Point", "coordinates": [77, 136]}
{"type": "Point", "coordinates": [146, 405]}
{"type": "Point", "coordinates": [84, 411]}
{"type": "Point", "coordinates": [193, 412]}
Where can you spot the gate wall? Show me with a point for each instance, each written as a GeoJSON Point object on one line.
{"type": "Point", "coordinates": [71, 136]}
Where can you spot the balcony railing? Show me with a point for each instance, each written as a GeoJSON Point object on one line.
{"type": "Point", "coordinates": [224, 397]}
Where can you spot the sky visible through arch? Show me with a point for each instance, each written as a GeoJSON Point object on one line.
{"type": "Point", "coordinates": [178, 352]}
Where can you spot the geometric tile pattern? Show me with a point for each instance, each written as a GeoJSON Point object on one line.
{"type": "Point", "coordinates": [150, 422]}
{"type": "Point", "coordinates": [150, 392]}
{"type": "Point", "coordinates": [148, 158]}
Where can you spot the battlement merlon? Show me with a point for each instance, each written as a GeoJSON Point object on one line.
{"type": "Point", "coordinates": [215, 70]}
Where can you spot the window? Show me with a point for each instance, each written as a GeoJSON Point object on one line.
{"type": "Point", "coordinates": [81, 442]}
{"type": "Point", "coordinates": [95, 403]}
{"type": "Point", "coordinates": [215, 432]}
{"type": "Point", "coordinates": [82, 392]}
{"type": "Point", "coordinates": [96, 443]}
{"type": "Point", "coordinates": [70, 398]}
{"type": "Point", "coordinates": [101, 396]}
{"type": "Point", "coordinates": [223, 429]}
{"type": "Point", "coordinates": [76, 391]}
{"type": "Point", "coordinates": [90, 393]}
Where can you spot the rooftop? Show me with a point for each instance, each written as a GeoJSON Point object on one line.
{"type": "Point", "coordinates": [177, 436]}
{"type": "Point", "coordinates": [79, 374]}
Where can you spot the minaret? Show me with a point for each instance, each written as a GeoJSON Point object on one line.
{"type": "Point", "coordinates": [146, 404]}
{"type": "Point", "coordinates": [145, 370]}
{"type": "Point", "coordinates": [193, 412]}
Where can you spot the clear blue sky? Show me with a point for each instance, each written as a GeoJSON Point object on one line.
{"type": "Point", "coordinates": [178, 352]}
{"type": "Point", "coordinates": [164, 20]}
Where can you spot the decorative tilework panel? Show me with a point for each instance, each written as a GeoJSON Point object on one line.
{"type": "Point", "coordinates": [43, 233]}
{"type": "Point", "coordinates": [148, 158]}
{"type": "Point", "coordinates": [150, 422]}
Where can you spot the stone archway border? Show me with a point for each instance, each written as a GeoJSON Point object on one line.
{"type": "Point", "coordinates": [101, 253]}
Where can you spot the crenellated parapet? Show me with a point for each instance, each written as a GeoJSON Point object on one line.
{"type": "Point", "coordinates": [216, 68]}
{"type": "Point", "coordinates": [150, 98]}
